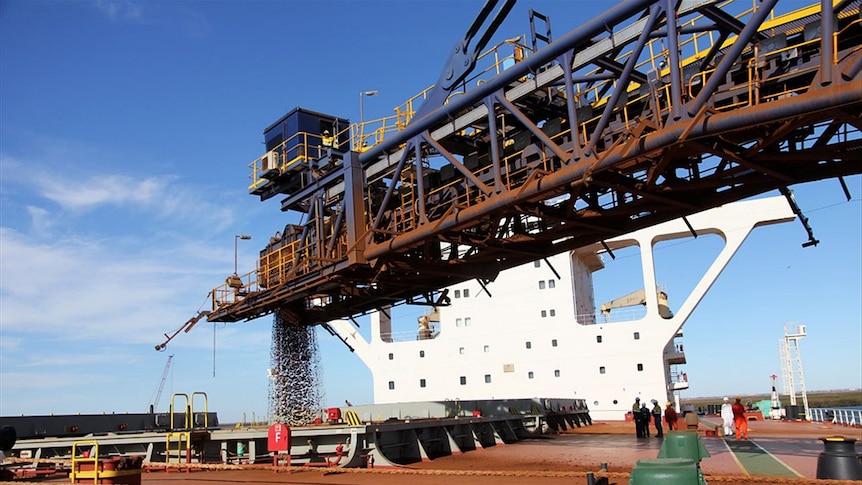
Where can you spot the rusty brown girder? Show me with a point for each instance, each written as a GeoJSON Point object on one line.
{"type": "Point", "coordinates": [495, 178]}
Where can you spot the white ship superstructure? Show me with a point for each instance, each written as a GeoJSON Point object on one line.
{"type": "Point", "coordinates": [536, 331]}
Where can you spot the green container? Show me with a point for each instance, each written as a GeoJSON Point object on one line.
{"type": "Point", "coordinates": [665, 471]}
{"type": "Point", "coordinates": [683, 444]}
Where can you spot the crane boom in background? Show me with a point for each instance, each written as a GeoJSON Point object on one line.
{"type": "Point", "coordinates": [155, 405]}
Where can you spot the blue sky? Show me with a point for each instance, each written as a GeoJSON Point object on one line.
{"type": "Point", "coordinates": [126, 129]}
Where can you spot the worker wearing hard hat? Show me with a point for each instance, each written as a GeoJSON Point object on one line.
{"type": "Point", "coordinates": [656, 417]}
{"type": "Point", "coordinates": [727, 417]}
{"type": "Point", "coordinates": [670, 416]}
{"type": "Point", "coordinates": [327, 139]}
{"type": "Point", "coordinates": [636, 414]}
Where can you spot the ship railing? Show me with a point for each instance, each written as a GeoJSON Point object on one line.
{"type": "Point", "coordinates": [409, 335]}
{"type": "Point", "coordinates": [627, 314]}
{"type": "Point", "coordinates": [840, 416]}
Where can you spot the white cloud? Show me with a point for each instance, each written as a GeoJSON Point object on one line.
{"type": "Point", "coordinates": [168, 200]}
{"type": "Point", "coordinates": [41, 219]}
{"type": "Point", "coordinates": [120, 10]}
{"type": "Point", "coordinates": [97, 190]}
{"type": "Point", "coordinates": [79, 288]}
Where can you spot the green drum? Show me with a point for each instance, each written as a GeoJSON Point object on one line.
{"type": "Point", "coordinates": [683, 444]}
{"type": "Point", "coordinates": [665, 471]}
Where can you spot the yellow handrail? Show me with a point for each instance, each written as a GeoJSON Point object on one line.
{"type": "Point", "coordinates": [77, 460]}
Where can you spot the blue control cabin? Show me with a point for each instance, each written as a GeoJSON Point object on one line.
{"type": "Point", "coordinates": [294, 145]}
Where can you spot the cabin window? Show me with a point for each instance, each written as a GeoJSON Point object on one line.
{"type": "Point", "coordinates": [461, 350]}
{"type": "Point", "coordinates": [421, 353]}
{"type": "Point", "coordinates": [391, 356]}
{"type": "Point", "coordinates": [544, 313]}
{"type": "Point", "coordinates": [537, 264]}
{"type": "Point", "coordinates": [463, 380]}
{"type": "Point", "coordinates": [529, 345]}
{"type": "Point", "coordinates": [556, 372]}
{"type": "Point", "coordinates": [637, 335]}
{"type": "Point", "coordinates": [391, 385]}
{"type": "Point", "coordinates": [553, 312]}
{"type": "Point", "coordinates": [554, 343]}
{"type": "Point", "coordinates": [421, 382]}
{"type": "Point", "coordinates": [457, 293]}
{"type": "Point", "coordinates": [640, 367]}
{"type": "Point", "coordinates": [598, 338]}
{"type": "Point", "coordinates": [466, 321]}
{"type": "Point", "coordinates": [487, 378]}
{"type": "Point", "coordinates": [542, 284]}
{"type": "Point", "coordinates": [486, 348]}
{"type": "Point", "coordinates": [530, 375]}
{"type": "Point", "coordinates": [552, 283]}
{"type": "Point", "coordinates": [458, 322]}
{"type": "Point", "coordinates": [466, 292]}
{"type": "Point", "coordinates": [602, 370]}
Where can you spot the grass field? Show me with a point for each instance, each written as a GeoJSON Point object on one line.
{"type": "Point", "coordinates": [816, 399]}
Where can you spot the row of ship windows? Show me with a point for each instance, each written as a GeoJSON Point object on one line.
{"type": "Point", "coordinates": [528, 344]}
{"type": "Point", "coordinates": [463, 379]}
{"type": "Point", "coordinates": [466, 321]}
{"type": "Point", "coordinates": [542, 285]}
{"type": "Point", "coordinates": [530, 375]}
{"type": "Point", "coordinates": [636, 335]}
{"type": "Point", "coordinates": [602, 369]}
{"type": "Point", "coordinates": [486, 349]}
{"type": "Point", "coordinates": [549, 284]}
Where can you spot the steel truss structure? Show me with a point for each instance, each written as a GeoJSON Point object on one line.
{"type": "Point", "coordinates": [655, 110]}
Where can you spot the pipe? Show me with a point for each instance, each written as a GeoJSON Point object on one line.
{"type": "Point", "coordinates": [827, 18]}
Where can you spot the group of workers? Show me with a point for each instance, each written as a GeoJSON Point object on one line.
{"type": "Point", "coordinates": [733, 418]}
{"type": "Point", "coordinates": [642, 415]}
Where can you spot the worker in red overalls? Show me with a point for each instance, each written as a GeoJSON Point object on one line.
{"type": "Point", "coordinates": [739, 420]}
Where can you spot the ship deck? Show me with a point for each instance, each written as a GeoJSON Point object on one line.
{"type": "Point", "coordinates": [564, 458]}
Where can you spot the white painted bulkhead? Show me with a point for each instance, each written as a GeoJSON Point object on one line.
{"type": "Point", "coordinates": [527, 339]}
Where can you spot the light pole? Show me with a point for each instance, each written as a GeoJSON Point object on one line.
{"type": "Point", "coordinates": [361, 94]}
{"type": "Point", "coordinates": [237, 237]}
{"type": "Point", "coordinates": [362, 117]}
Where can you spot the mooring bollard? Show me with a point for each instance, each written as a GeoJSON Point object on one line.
{"type": "Point", "coordinates": [839, 460]}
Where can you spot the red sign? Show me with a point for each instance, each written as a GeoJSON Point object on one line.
{"type": "Point", "coordinates": [279, 438]}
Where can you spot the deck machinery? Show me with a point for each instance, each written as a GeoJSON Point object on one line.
{"type": "Point", "coordinates": [651, 111]}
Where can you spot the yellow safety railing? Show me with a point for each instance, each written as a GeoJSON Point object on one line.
{"type": "Point", "coordinates": [92, 456]}
{"type": "Point", "coordinates": [292, 154]}
{"type": "Point", "coordinates": [178, 443]}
